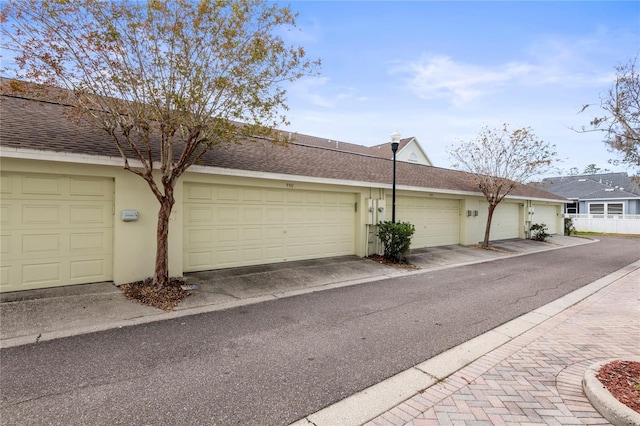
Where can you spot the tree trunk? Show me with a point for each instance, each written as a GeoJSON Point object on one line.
{"type": "Point", "coordinates": [487, 230]}
{"type": "Point", "coordinates": [161, 275]}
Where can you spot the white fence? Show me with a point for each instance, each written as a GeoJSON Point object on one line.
{"type": "Point", "coordinates": [606, 223]}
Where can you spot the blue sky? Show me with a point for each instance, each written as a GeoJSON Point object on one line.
{"type": "Point", "coordinates": [441, 70]}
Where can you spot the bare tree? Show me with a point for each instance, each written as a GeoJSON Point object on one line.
{"type": "Point", "coordinates": [168, 80]}
{"type": "Point", "coordinates": [499, 160]}
{"type": "Point", "coordinates": [621, 122]}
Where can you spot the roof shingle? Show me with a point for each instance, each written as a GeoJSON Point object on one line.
{"type": "Point", "coordinates": [38, 125]}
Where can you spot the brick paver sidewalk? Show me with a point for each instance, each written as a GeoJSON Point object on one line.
{"type": "Point", "coordinates": [535, 379]}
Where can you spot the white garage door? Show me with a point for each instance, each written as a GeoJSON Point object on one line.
{"type": "Point", "coordinates": [228, 226]}
{"type": "Point", "coordinates": [437, 221]}
{"type": "Point", "coordinates": [505, 223]}
{"type": "Point", "coordinates": [56, 230]}
{"type": "Point", "coordinates": [547, 215]}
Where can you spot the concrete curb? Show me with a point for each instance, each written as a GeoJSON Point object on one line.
{"type": "Point", "coordinates": [154, 316]}
{"type": "Point", "coordinates": [602, 400]}
{"type": "Point", "coordinates": [369, 403]}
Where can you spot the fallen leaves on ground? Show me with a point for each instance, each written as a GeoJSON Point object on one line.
{"type": "Point", "coordinates": [166, 298]}
{"type": "Point", "coordinates": [384, 261]}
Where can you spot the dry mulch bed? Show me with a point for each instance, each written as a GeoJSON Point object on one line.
{"type": "Point", "coordinates": [622, 379]}
{"type": "Point", "coordinates": [166, 298]}
{"type": "Point", "coordinates": [382, 260]}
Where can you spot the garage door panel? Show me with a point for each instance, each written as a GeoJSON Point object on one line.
{"type": "Point", "coordinates": [274, 196]}
{"type": "Point", "coordinates": [90, 214]}
{"type": "Point", "coordinates": [42, 274]}
{"type": "Point", "coordinates": [199, 192]}
{"type": "Point", "coordinates": [5, 244]}
{"type": "Point", "coordinates": [198, 214]}
{"type": "Point", "coordinates": [49, 214]}
{"type": "Point", "coordinates": [252, 215]}
{"type": "Point", "coordinates": [505, 223]}
{"type": "Point", "coordinates": [314, 232]}
{"type": "Point", "coordinates": [199, 237]}
{"type": "Point", "coordinates": [42, 185]}
{"type": "Point", "coordinates": [272, 226]}
{"type": "Point", "coordinates": [252, 234]}
{"type": "Point", "coordinates": [274, 233]}
{"type": "Point", "coordinates": [198, 259]}
{"type": "Point", "coordinates": [295, 214]}
{"type": "Point", "coordinates": [90, 242]}
{"type": "Point", "coordinates": [6, 215]}
{"type": "Point", "coordinates": [252, 195]}
{"type": "Point", "coordinates": [227, 214]}
{"type": "Point", "coordinates": [436, 220]}
{"type": "Point", "coordinates": [41, 244]}
{"type": "Point", "coordinates": [251, 254]}
{"type": "Point", "coordinates": [228, 194]}
{"type": "Point", "coordinates": [547, 215]}
{"type": "Point", "coordinates": [275, 214]}
{"type": "Point", "coordinates": [295, 197]}
{"type": "Point", "coordinates": [312, 198]}
{"type": "Point", "coordinates": [57, 230]}
{"type": "Point", "coordinates": [228, 235]}
{"type": "Point", "coordinates": [89, 269]}
{"type": "Point", "coordinates": [5, 275]}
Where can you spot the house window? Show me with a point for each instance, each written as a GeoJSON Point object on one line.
{"type": "Point", "coordinates": [596, 208]}
{"type": "Point", "coordinates": [572, 208]}
{"type": "Point", "coordinates": [606, 208]}
{"type": "Point", "coordinates": [615, 208]}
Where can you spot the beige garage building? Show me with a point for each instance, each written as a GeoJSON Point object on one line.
{"type": "Point", "coordinates": [66, 204]}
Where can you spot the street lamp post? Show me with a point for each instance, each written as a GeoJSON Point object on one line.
{"type": "Point", "coordinates": [395, 141]}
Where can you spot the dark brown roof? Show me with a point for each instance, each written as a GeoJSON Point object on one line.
{"type": "Point", "coordinates": [382, 150]}
{"type": "Point", "coordinates": [38, 125]}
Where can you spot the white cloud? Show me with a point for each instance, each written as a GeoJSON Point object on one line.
{"type": "Point", "coordinates": [440, 76]}
{"type": "Point", "coordinates": [320, 91]}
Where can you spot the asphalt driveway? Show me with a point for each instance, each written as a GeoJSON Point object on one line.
{"type": "Point", "coordinates": [277, 361]}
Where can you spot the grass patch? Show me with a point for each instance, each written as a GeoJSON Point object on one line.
{"type": "Point", "coordinates": [604, 234]}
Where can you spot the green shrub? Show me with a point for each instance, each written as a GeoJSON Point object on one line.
{"type": "Point", "coordinates": [539, 232]}
{"type": "Point", "coordinates": [396, 238]}
{"type": "Point", "coordinates": [569, 228]}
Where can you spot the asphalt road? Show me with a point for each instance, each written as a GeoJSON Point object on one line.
{"type": "Point", "coordinates": [275, 362]}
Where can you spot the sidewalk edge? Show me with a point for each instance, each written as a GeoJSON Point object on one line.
{"type": "Point", "coordinates": [377, 399]}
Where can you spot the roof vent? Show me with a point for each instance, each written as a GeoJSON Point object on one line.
{"type": "Point", "coordinates": [582, 180]}
{"type": "Point", "coordinates": [609, 189]}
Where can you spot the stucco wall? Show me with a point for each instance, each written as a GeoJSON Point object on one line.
{"type": "Point", "coordinates": [134, 243]}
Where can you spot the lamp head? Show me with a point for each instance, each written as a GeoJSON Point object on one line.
{"type": "Point", "coordinates": [395, 141]}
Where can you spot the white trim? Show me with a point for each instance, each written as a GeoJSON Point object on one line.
{"type": "Point", "coordinates": [64, 157]}
{"type": "Point", "coordinates": [31, 154]}
{"type": "Point", "coordinates": [414, 141]}
{"type": "Point", "coordinates": [586, 200]}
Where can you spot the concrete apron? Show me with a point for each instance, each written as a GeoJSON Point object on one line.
{"type": "Point", "coordinates": [38, 315]}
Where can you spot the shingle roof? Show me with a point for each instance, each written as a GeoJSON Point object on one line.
{"type": "Point", "coordinates": [592, 187]}
{"type": "Point", "coordinates": [382, 150]}
{"type": "Point", "coordinates": [38, 125]}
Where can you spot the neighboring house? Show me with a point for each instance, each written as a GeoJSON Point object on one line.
{"type": "Point", "coordinates": [409, 149]}
{"type": "Point", "coordinates": [596, 194]}
{"type": "Point", "coordinates": [71, 214]}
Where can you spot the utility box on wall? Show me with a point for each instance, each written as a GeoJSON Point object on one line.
{"type": "Point", "coordinates": [129, 215]}
{"type": "Point", "coordinates": [380, 211]}
{"type": "Point", "coordinates": [375, 211]}
{"type": "Point", "coordinates": [370, 212]}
